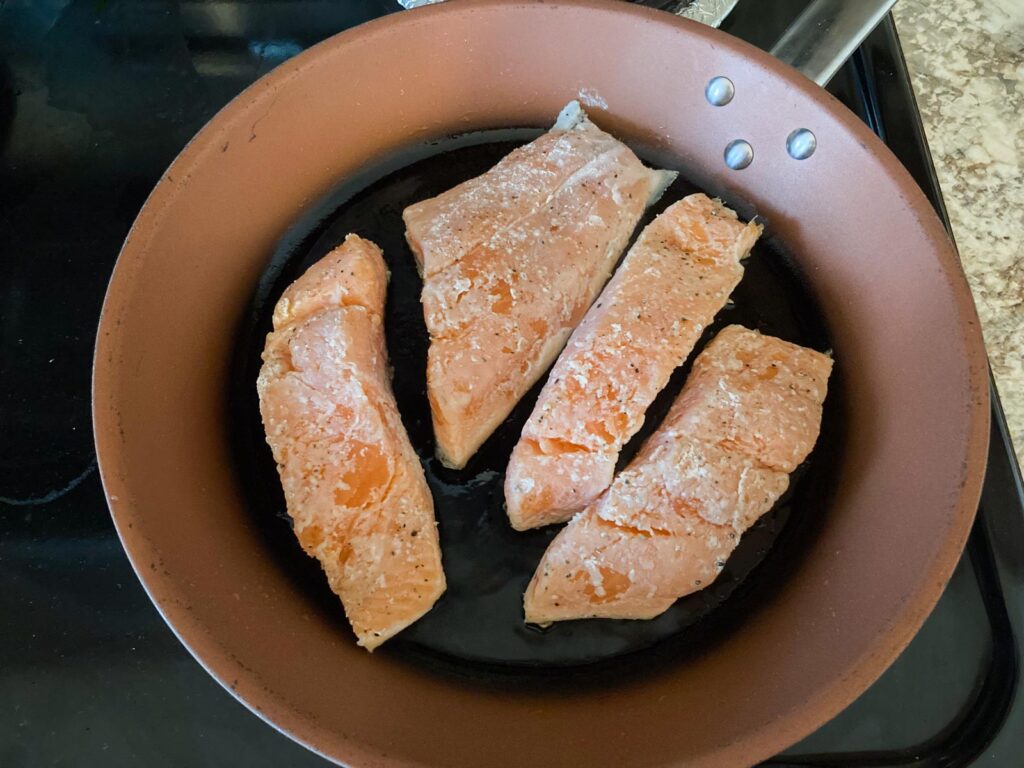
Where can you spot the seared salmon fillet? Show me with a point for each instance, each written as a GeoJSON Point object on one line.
{"type": "Point", "coordinates": [511, 260]}
{"type": "Point", "coordinates": [670, 286]}
{"type": "Point", "coordinates": [749, 414]}
{"type": "Point", "coordinates": [352, 482]}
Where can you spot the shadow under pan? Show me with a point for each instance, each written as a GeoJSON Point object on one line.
{"type": "Point", "coordinates": [476, 629]}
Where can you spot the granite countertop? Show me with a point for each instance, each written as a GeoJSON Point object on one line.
{"type": "Point", "coordinates": [966, 60]}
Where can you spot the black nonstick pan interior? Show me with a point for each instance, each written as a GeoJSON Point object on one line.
{"type": "Point", "coordinates": [478, 623]}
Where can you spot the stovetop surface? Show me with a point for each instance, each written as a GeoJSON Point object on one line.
{"type": "Point", "coordinates": [96, 98]}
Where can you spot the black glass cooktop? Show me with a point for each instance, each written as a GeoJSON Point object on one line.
{"type": "Point", "coordinates": [96, 98]}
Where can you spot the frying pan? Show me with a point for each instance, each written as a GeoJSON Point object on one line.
{"type": "Point", "coordinates": [855, 261]}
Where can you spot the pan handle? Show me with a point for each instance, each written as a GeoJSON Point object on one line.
{"type": "Point", "coordinates": [817, 44]}
{"type": "Point", "coordinates": [827, 33]}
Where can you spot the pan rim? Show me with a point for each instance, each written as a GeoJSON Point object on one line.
{"type": "Point", "coordinates": [772, 736]}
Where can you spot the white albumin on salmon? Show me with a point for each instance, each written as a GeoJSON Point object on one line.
{"type": "Point", "coordinates": [511, 260]}
{"type": "Point", "coordinates": [670, 286]}
{"type": "Point", "coordinates": [353, 485]}
{"type": "Point", "coordinates": [749, 414]}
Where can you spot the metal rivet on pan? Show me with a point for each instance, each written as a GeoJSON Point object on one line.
{"type": "Point", "coordinates": [801, 144]}
{"type": "Point", "coordinates": [720, 91]}
{"type": "Point", "coordinates": [739, 154]}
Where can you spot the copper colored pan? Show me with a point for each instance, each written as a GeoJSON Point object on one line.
{"type": "Point", "coordinates": [856, 261]}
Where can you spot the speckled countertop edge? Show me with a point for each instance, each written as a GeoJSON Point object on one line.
{"type": "Point", "coordinates": [966, 61]}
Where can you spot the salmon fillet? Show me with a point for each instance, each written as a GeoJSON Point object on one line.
{"type": "Point", "coordinates": [511, 260]}
{"type": "Point", "coordinates": [748, 415]}
{"type": "Point", "coordinates": [352, 482]}
{"type": "Point", "coordinates": [670, 286]}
